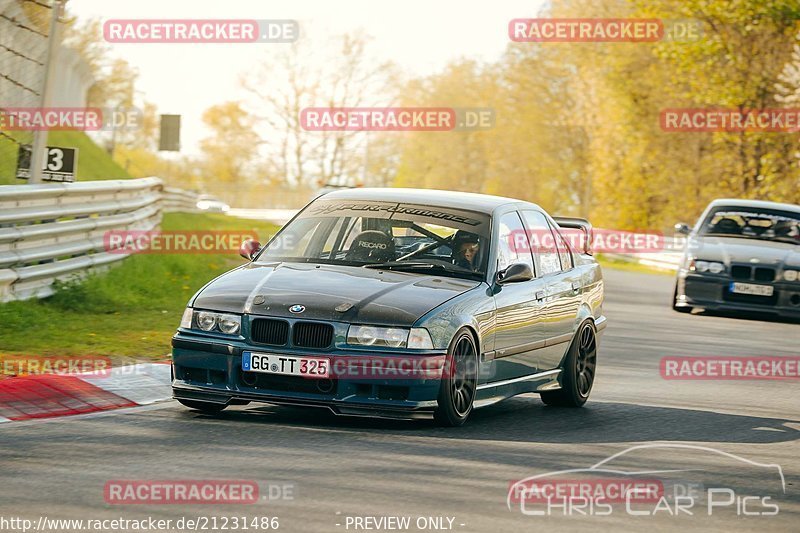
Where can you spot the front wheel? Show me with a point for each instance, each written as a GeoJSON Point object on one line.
{"type": "Point", "coordinates": [206, 407]}
{"type": "Point", "coordinates": [459, 381]}
{"type": "Point", "coordinates": [683, 309]}
{"type": "Point", "coordinates": [578, 371]}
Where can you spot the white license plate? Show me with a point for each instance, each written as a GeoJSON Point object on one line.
{"type": "Point", "coordinates": [752, 288]}
{"type": "Point", "coordinates": [269, 363]}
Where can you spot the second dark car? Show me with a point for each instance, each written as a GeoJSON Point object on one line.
{"type": "Point", "coordinates": [742, 255]}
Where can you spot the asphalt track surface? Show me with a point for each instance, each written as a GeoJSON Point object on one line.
{"type": "Point", "coordinates": [342, 469]}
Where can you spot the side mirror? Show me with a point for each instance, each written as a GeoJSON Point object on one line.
{"type": "Point", "coordinates": [514, 273]}
{"type": "Point", "coordinates": [249, 248]}
{"type": "Point", "coordinates": [682, 228]}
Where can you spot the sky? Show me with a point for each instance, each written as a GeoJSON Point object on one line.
{"type": "Point", "coordinates": [421, 36]}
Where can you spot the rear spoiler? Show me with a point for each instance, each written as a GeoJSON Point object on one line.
{"type": "Point", "coordinates": [580, 224]}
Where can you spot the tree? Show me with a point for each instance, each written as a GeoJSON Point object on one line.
{"type": "Point", "coordinates": [230, 151]}
{"type": "Point", "coordinates": [296, 77]}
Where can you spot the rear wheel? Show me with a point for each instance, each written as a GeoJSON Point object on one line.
{"type": "Point", "coordinates": [578, 371]}
{"type": "Point", "coordinates": [206, 407]}
{"type": "Point", "coordinates": [459, 381]}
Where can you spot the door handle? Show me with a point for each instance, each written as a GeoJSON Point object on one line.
{"type": "Point", "coordinates": [540, 295]}
{"type": "Point", "coordinates": [576, 286]}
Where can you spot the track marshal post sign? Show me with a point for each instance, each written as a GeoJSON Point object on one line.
{"type": "Point", "coordinates": [60, 163]}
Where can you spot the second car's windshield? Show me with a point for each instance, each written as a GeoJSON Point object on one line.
{"type": "Point", "coordinates": [399, 236]}
{"type": "Point", "coordinates": [765, 224]}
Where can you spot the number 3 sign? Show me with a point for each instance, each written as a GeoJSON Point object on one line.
{"type": "Point", "coordinates": [59, 165]}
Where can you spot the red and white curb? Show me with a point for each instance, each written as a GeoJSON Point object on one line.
{"type": "Point", "coordinates": [51, 395]}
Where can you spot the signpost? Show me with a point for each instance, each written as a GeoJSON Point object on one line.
{"type": "Point", "coordinates": [59, 165]}
{"type": "Point", "coordinates": [170, 138]}
{"type": "Point", "coordinates": [41, 153]}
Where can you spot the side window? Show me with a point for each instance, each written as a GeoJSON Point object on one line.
{"type": "Point", "coordinates": [512, 244]}
{"type": "Point", "coordinates": [295, 241]}
{"type": "Point", "coordinates": [543, 242]}
{"type": "Point", "coordinates": [563, 250]}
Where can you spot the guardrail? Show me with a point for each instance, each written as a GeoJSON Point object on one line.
{"type": "Point", "coordinates": [179, 200]}
{"type": "Point", "coordinates": [55, 231]}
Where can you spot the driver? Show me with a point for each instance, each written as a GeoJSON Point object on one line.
{"type": "Point", "coordinates": [784, 228]}
{"type": "Point", "coordinates": [465, 250]}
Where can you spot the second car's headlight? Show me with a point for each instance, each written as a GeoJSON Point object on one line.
{"type": "Point", "coordinates": [790, 275]}
{"type": "Point", "coordinates": [415, 338]}
{"type": "Point", "coordinates": [714, 267]}
{"type": "Point", "coordinates": [209, 321]}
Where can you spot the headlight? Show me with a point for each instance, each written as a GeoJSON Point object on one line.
{"type": "Point", "coordinates": [208, 321]}
{"type": "Point", "coordinates": [415, 338]}
{"type": "Point", "coordinates": [714, 267]}
{"type": "Point", "coordinates": [790, 275]}
{"type": "Point", "coordinates": [374, 336]}
{"type": "Point", "coordinates": [228, 324]}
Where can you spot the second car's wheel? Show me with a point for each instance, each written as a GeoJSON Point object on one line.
{"type": "Point", "coordinates": [459, 381]}
{"type": "Point", "coordinates": [683, 309]}
{"type": "Point", "coordinates": [206, 407]}
{"type": "Point", "coordinates": [578, 371]}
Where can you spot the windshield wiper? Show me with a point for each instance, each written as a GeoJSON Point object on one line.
{"type": "Point", "coordinates": [415, 265]}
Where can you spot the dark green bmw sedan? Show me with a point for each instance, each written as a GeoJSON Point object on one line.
{"type": "Point", "coordinates": [398, 303]}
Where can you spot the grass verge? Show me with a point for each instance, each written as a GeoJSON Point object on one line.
{"type": "Point", "coordinates": [132, 310]}
{"type": "Point", "coordinates": [608, 262]}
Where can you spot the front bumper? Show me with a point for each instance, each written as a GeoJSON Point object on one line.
{"type": "Point", "coordinates": [711, 292]}
{"type": "Point", "coordinates": [210, 370]}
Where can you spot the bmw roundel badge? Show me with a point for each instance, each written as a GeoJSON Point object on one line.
{"type": "Point", "coordinates": [297, 308]}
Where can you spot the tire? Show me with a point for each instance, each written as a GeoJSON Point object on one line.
{"type": "Point", "coordinates": [684, 309]}
{"type": "Point", "coordinates": [206, 407]}
{"type": "Point", "coordinates": [578, 371]}
{"type": "Point", "coordinates": [459, 381]}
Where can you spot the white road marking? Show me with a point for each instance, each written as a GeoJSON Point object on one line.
{"type": "Point", "coordinates": [97, 414]}
{"type": "Point", "coordinates": [142, 383]}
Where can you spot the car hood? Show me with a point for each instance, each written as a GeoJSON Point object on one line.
{"type": "Point", "coordinates": [361, 294]}
{"type": "Point", "coordinates": [742, 250]}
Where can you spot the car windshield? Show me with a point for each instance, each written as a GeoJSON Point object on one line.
{"type": "Point", "coordinates": [753, 223]}
{"type": "Point", "coordinates": [386, 235]}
